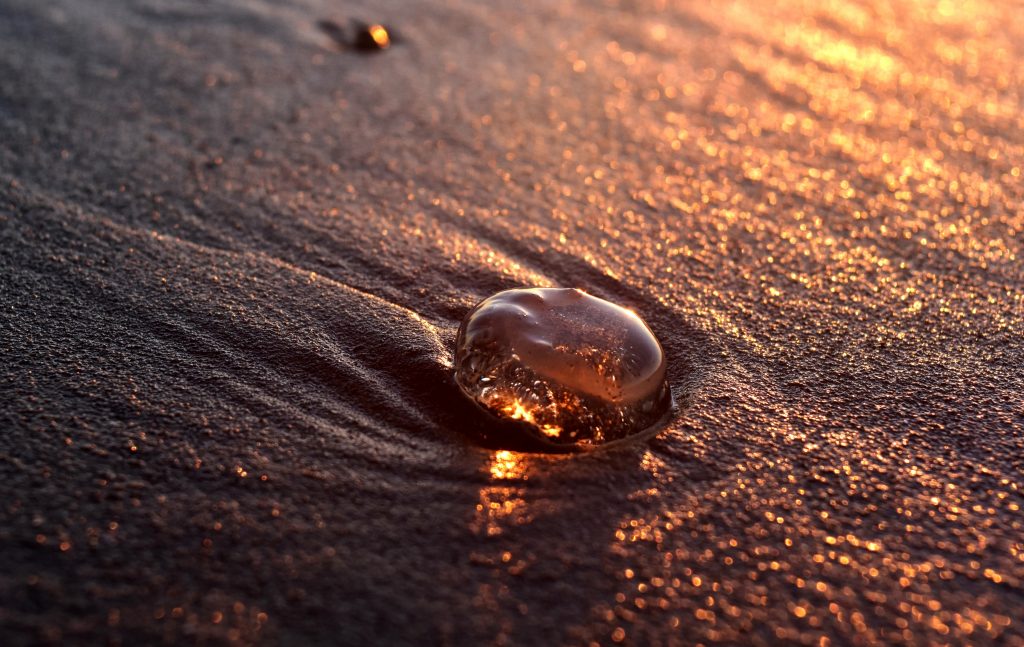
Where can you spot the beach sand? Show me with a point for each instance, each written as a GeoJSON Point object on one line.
{"type": "Point", "coordinates": [234, 256]}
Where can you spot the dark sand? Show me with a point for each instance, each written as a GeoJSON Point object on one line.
{"type": "Point", "coordinates": [233, 260]}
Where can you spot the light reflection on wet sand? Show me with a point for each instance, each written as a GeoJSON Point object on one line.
{"type": "Point", "coordinates": [816, 206]}
{"type": "Point", "coordinates": [502, 504]}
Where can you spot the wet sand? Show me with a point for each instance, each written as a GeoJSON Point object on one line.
{"type": "Point", "coordinates": [234, 257]}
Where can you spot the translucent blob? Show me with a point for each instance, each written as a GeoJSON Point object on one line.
{"type": "Point", "coordinates": [578, 370]}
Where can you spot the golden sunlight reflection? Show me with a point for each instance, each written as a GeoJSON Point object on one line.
{"type": "Point", "coordinates": [507, 466]}
{"type": "Point", "coordinates": [516, 411]}
{"type": "Point", "coordinates": [501, 503]}
{"type": "Point", "coordinates": [831, 187]}
{"type": "Point", "coordinates": [817, 205]}
{"type": "Point", "coordinates": [379, 35]}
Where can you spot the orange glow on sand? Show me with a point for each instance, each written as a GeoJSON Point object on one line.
{"type": "Point", "coordinates": [507, 466]}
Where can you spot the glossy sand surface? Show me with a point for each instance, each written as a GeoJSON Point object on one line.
{"type": "Point", "coordinates": [233, 261]}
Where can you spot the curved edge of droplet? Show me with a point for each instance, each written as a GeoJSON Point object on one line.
{"type": "Point", "coordinates": [526, 438]}
{"type": "Point", "coordinates": [644, 434]}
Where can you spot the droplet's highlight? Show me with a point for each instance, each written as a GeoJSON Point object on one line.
{"type": "Point", "coordinates": [576, 370]}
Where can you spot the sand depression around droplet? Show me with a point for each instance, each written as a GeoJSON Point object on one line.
{"type": "Point", "coordinates": [579, 371]}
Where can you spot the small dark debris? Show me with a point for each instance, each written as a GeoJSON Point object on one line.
{"type": "Point", "coordinates": [359, 35]}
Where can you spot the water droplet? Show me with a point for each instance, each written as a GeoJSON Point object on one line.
{"type": "Point", "coordinates": [576, 370]}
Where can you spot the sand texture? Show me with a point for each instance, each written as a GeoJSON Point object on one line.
{"type": "Point", "coordinates": [234, 257]}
